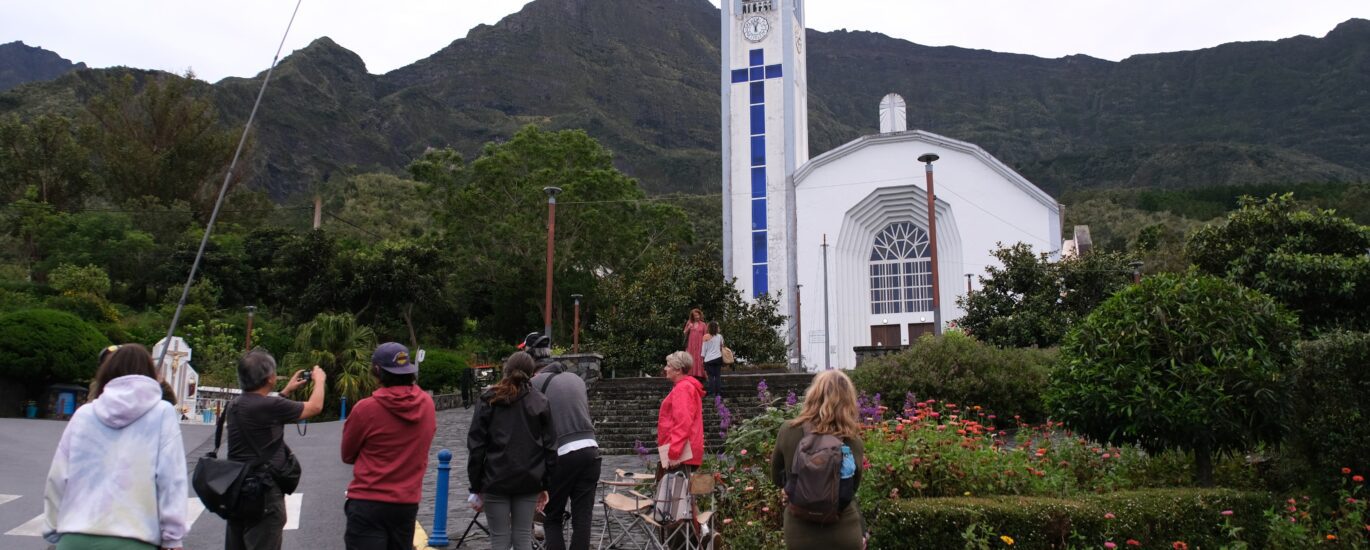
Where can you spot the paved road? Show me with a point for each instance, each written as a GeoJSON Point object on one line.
{"type": "Point", "coordinates": [317, 521]}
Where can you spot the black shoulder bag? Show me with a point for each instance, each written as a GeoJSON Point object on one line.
{"type": "Point", "coordinates": [232, 490]}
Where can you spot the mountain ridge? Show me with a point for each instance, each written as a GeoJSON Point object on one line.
{"type": "Point", "coordinates": [643, 79]}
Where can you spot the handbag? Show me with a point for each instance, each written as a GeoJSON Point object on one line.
{"type": "Point", "coordinates": [728, 356]}
{"type": "Point", "coordinates": [232, 490]}
{"type": "Point", "coordinates": [672, 501]}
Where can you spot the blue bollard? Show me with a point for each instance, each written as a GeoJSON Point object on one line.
{"type": "Point", "coordinates": [344, 408]}
{"type": "Point", "coordinates": [439, 536]}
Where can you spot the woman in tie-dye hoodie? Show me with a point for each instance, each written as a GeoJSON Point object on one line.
{"type": "Point", "coordinates": [118, 479]}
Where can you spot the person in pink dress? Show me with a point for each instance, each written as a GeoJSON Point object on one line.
{"type": "Point", "coordinates": [694, 341]}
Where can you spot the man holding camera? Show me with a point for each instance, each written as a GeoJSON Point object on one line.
{"type": "Point", "coordinates": [577, 473]}
{"type": "Point", "coordinates": [256, 434]}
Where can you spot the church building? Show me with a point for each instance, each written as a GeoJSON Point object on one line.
{"type": "Point", "coordinates": [843, 239]}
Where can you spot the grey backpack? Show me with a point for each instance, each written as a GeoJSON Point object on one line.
{"type": "Point", "coordinates": [815, 479]}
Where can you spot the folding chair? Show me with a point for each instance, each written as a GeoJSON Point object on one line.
{"type": "Point", "coordinates": [628, 511]}
{"type": "Point", "coordinates": [474, 524]}
{"type": "Point", "coordinates": [697, 532]}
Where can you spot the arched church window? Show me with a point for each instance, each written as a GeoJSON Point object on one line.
{"type": "Point", "coordinates": [901, 270]}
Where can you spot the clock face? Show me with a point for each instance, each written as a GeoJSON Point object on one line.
{"type": "Point", "coordinates": [756, 28]}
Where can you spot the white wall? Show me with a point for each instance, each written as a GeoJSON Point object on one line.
{"type": "Point", "coordinates": [980, 203]}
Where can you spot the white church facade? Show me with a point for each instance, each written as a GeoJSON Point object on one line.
{"type": "Point", "coordinates": [867, 200]}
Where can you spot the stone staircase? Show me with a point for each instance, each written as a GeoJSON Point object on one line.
{"type": "Point", "coordinates": [625, 409]}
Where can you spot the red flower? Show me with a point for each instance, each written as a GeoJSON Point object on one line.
{"type": "Point", "coordinates": [1358, 479]}
{"type": "Point", "coordinates": [1346, 471]}
{"type": "Point", "coordinates": [1133, 542]}
{"type": "Point", "coordinates": [1179, 546]}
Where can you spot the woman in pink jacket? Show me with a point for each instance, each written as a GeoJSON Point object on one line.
{"type": "Point", "coordinates": [680, 422]}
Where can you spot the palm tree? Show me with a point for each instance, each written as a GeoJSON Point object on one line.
{"type": "Point", "coordinates": [342, 348]}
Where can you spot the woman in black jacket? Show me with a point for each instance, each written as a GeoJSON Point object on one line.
{"type": "Point", "coordinates": [512, 451]}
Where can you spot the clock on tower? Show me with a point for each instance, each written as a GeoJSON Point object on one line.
{"type": "Point", "coordinates": [765, 140]}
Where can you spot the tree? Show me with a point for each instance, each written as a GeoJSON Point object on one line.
{"type": "Point", "coordinates": [71, 279]}
{"type": "Point", "coordinates": [1185, 361]}
{"type": "Point", "coordinates": [42, 346]}
{"type": "Point", "coordinates": [397, 281]}
{"type": "Point", "coordinates": [43, 154]}
{"type": "Point", "coordinates": [495, 222]}
{"type": "Point", "coordinates": [163, 141]}
{"type": "Point", "coordinates": [643, 313]}
{"type": "Point", "coordinates": [1312, 260]}
{"type": "Point", "coordinates": [336, 343]}
{"type": "Point", "coordinates": [1032, 301]}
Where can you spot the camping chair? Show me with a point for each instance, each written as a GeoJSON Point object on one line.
{"type": "Point", "coordinates": [698, 531]}
{"type": "Point", "coordinates": [629, 512]}
{"type": "Point", "coordinates": [474, 524]}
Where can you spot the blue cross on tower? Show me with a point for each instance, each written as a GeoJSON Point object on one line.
{"type": "Point", "coordinates": [756, 76]}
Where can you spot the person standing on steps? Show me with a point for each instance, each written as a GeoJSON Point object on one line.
{"type": "Point", "coordinates": [712, 350]}
{"type": "Point", "coordinates": [578, 463]}
{"type": "Point", "coordinates": [386, 439]}
{"type": "Point", "coordinates": [694, 341]}
{"type": "Point", "coordinates": [256, 434]}
{"type": "Point", "coordinates": [512, 455]}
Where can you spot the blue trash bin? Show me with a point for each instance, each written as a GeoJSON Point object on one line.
{"type": "Point", "coordinates": [66, 402]}
{"type": "Point", "coordinates": [208, 416]}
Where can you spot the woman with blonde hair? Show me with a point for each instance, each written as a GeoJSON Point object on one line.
{"type": "Point", "coordinates": [830, 409]}
{"type": "Point", "coordinates": [680, 421]}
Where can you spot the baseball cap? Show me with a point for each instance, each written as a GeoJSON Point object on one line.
{"type": "Point", "coordinates": [394, 358]}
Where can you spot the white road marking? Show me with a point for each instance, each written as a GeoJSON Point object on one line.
{"type": "Point", "coordinates": [292, 510]}
{"type": "Point", "coordinates": [6, 498]}
{"type": "Point", "coordinates": [193, 510]}
{"type": "Point", "coordinates": [30, 528]}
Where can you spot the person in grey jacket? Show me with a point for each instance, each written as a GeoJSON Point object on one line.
{"type": "Point", "coordinates": [578, 461]}
{"type": "Point", "coordinates": [512, 455]}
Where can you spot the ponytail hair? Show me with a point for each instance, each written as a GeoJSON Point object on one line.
{"type": "Point", "coordinates": [518, 372]}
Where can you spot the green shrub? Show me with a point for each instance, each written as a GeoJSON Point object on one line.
{"type": "Point", "coordinates": [960, 369]}
{"type": "Point", "coordinates": [441, 370]}
{"type": "Point", "coordinates": [72, 279]}
{"type": "Point", "coordinates": [1179, 361]}
{"type": "Point", "coordinates": [88, 307]}
{"type": "Point", "coordinates": [43, 346]}
{"type": "Point", "coordinates": [1332, 403]}
{"type": "Point", "coordinates": [1155, 517]}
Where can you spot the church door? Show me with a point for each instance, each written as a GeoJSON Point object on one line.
{"type": "Point", "coordinates": [917, 330]}
{"type": "Point", "coordinates": [885, 335]}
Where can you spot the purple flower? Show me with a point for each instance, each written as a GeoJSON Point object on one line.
{"type": "Point", "coordinates": [763, 394]}
{"type": "Point", "coordinates": [868, 407]}
{"type": "Point", "coordinates": [791, 400]}
{"type": "Point", "coordinates": [725, 416]}
{"type": "Point", "coordinates": [640, 448]}
{"type": "Point", "coordinates": [910, 405]}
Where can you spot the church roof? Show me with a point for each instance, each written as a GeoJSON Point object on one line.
{"type": "Point", "coordinates": [930, 138]}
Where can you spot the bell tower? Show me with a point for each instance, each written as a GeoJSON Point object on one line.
{"type": "Point", "coordinates": [765, 140]}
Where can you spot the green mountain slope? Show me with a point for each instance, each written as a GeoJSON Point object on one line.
{"type": "Point", "coordinates": [642, 77]}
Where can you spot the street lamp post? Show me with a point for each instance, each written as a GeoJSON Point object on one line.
{"type": "Point", "coordinates": [575, 338]}
{"type": "Point", "coordinates": [551, 239]}
{"type": "Point", "coordinates": [1136, 272]}
{"type": "Point", "coordinates": [927, 159]}
{"type": "Point", "coordinates": [969, 290]}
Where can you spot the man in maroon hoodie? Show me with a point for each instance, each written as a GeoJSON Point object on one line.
{"type": "Point", "coordinates": [386, 439]}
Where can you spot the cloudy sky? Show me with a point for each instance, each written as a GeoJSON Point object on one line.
{"type": "Point", "coordinates": [218, 38]}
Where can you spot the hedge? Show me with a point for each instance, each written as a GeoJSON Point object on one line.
{"type": "Point", "coordinates": [1332, 405]}
{"type": "Point", "coordinates": [1156, 518]}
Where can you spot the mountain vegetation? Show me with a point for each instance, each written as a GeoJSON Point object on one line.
{"type": "Point", "coordinates": [642, 78]}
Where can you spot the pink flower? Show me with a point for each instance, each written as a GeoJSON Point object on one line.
{"type": "Point", "coordinates": [1110, 545]}
{"type": "Point", "coordinates": [744, 452]}
{"type": "Point", "coordinates": [1109, 515]}
{"type": "Point", "coordinates": [1133, 542]}
{"type": "Point", "coordinates": [1226, 512]}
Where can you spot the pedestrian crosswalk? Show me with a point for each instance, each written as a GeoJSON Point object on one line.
{"type": "Point", "coordinates": [194, 509]}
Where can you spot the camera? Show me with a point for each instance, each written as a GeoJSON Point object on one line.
{"type": "Point", "coordinates": [304, 376]}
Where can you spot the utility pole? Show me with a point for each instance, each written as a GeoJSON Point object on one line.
{"type": "Point", "coordinates": [799, 324]}
{"type": "Point", "coordinates": [551, 239]}
{"type": "Point", "coordinates": [928, 159]}
{"type": "Point", "coordinates": [575, 338]}
{"type": "Point", "coordinates": [250, 311]}
{"type": "Point", "coordinates": [827, 327]}
{"type": "Point", "coordinates": [969, 290]}
{"type": "Point", "coordinates": [318, 211]}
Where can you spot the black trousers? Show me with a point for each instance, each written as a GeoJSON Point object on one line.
{"type": "Point", "coordinates": [265, 533]}
{"type": "Point", "coordinates": [373, 525]}
{"type": "Point", "coordinates": [575, 479]}
{"type": "Point", "coordinates": [714, 368]}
